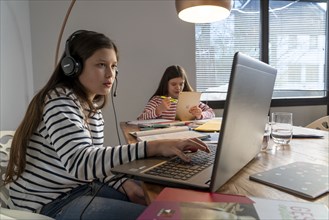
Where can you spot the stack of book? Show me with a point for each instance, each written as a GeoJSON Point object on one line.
{"type": "Point", "coordinates": [168, 133]}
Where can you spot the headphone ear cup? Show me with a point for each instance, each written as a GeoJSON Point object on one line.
{"type": "Point", "coordinates": [70, 66]}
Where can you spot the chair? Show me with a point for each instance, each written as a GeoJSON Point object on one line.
{"type": "Point", "coordinates": [8, 214]}
{"type": "Point", "coordinates": [5, 144]}
{"type": "Point", "coordinates": [320, 124]}
{"type": "Point", "coordinates": [6, 210]}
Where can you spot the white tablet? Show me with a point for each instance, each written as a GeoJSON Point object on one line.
{"type": "Point", "coordinates": [186, 100]}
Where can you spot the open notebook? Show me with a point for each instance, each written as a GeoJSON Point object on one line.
{"type": "Point", "coordinates": [242, 130]}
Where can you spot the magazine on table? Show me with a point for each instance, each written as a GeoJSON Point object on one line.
{"type": "Point", "coordinates": [174, 203]}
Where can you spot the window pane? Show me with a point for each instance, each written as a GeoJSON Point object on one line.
{"type": "Point", "coordinates": [297, 47]}
{"type": "Point", "coordinates": [217, 42]}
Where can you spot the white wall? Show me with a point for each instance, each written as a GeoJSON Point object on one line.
{"type": "Point", "coordinates": [16, 78]}
{"type": "Point", "coordinates": [148, 33]}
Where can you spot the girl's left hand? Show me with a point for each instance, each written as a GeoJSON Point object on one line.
{"type": "Point", "coordinates": [134, 191]}
{"type": "Point", "coordinates": [196, 112]}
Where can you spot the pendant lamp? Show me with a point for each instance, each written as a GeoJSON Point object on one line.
{"type": "Point", "coordinates": [203, 11]}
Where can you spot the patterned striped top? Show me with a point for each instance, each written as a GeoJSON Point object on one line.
{"type": "Point", "coordinates": [67, 151]}
{"type": "Point", "coordinates": [150, 113]}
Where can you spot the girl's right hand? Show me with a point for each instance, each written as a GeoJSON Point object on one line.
{"type": "Point", "coordinates": [164, 106]}
{"type": "Point", "coordinates": [175, 147]}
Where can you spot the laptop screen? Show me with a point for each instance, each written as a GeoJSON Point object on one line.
{"type": "Point", "coordinates": [244, 117]}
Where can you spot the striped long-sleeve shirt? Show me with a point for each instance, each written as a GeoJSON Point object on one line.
{"type": "Point", "coordinates": [67, 151]}
{"type": "Point", "coordinates": [150, 110]}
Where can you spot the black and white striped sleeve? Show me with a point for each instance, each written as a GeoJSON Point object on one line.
{"type": "Point", "coordinates": [73, 142]}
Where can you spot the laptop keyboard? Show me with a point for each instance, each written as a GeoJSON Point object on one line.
{"type": "Point", "coordinates": [178, 169]}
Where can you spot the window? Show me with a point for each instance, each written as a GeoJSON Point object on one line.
{"type": "Point", "coordinates": [295, 46]}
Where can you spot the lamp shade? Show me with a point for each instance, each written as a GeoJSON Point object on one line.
{"type": "Point", "coordinates": [203, 11]}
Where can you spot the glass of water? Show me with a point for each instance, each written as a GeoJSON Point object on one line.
{"type": "Point", "coordinates": [266, 138]}
{"type": "Point", "coordinates": [281, 127]}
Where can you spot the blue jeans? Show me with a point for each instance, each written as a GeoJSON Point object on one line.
{"type": "Point", "coordinates": [81, 203]}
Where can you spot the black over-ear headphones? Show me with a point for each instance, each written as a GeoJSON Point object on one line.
{"type": "Point", "coordinates": [70, 65]}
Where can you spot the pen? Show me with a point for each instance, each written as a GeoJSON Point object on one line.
{"type": "Point", "coordinates": [171, 99]}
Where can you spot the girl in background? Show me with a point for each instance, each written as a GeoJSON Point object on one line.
{"type": "Point", "coordinates": [162, 104]}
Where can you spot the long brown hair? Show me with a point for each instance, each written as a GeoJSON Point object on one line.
{"type": "Point", "coordinates": [82, 46]}
{"type": "Point", "coordinates": [172, 72]}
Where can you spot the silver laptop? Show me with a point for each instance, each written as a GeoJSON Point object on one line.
{"type": "Point", "coordinates": [246, 108]}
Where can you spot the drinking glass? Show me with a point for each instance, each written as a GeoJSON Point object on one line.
{"type": "Point", "coordinates": [266, 138]}
{"type": "Point", "coordinates": [281, 127]}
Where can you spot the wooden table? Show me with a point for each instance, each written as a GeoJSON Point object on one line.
{"type": "Point", "coordinates": [307, 150]}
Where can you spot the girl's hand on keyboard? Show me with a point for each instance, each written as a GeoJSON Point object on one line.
{"type": "Point", "coordinates": [175, 147]}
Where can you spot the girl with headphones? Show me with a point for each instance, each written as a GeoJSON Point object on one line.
{"type": "Point", "coordinates": [58, 163]}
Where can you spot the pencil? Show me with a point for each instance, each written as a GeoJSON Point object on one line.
{"type": "Point", "coordinates": [171, 99]}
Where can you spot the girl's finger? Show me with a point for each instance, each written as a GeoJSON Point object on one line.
{"type": "Point", "coordinates": [200, 144]}
{"type": "Point", "coordinates": [183, 156]}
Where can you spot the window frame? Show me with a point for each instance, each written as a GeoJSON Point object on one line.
{"type": "Point", "coordinates": [264, 51]}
